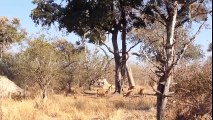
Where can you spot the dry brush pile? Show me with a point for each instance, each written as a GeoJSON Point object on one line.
{"type": "Point", "coordinates": [193, 92]}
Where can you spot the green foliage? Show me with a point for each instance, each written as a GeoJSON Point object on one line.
{"type": "Point", "coordinates": [189, 10]}
{"type": "Point", "coordinates": [37, 64]}
{"type": "Point", "coordinates": [194, 52]}
{"type": "Point", "coordinates": [10, 31]}
{"type": "Point", "coordinates": [6, 65]}
{"type": "Point", "coordinates": [80, 16]}
{"type": "Point", "coordinates": [68, 62]}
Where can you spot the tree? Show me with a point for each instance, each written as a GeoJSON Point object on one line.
{"type": "Point", "coordinates": [154, 37]}
{"type": "Point", "coordinates": [193, 89]}
{"type": "Point", "coordinates": [70, 56]}
{"type": "Point", "coordinates": [171, 14]}
{"type": "Point", "coordinates": [10, 32]}
{"type": "Point", "coordinates": [95, 18]}
{"type": "Point", "coordinates": [210, 47]}
{"type": "Point", "coordinates": [6, 64]}
{"type": "Point", "coordinates": [38, 64]}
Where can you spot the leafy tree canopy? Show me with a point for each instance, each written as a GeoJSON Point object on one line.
{"type": "Point", "coordinates": [81, 16]}
{"type": "Point", "coordinates": [10, 31]}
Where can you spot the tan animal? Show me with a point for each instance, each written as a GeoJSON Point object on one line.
{"type": "Point", "coordinates": [71, 91]}
{"type": "Point", "coordinates": [128, 94]}
{"type": "Point", "coordinates": [102, 93]}
{"type": "Point", "coordinates": [131, 88]}
{"type": "Point", "coordinates": [109, 89]}
{"type": "Point", "coordinates": [141, 92]}
{"type": "Point", "coordinates": [16, 96]}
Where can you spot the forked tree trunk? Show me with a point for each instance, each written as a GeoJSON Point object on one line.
{"type": "Point", "coordinates": [125, 69]}
{"type": "Point", "coordinates": [1, 52]}
{"type": "Point", "coordinates": [117, 62]}
{"type": "Point", "coordinates": [25, 88]}
{"type": "Point", "coordinates": [44, 93]}
{"type": "Point", "coordinates": [166, 79]}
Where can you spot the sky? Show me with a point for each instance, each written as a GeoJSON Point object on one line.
{"type": "Point", "coordinates": [21, 9]}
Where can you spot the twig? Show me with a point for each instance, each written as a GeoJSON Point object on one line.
{"type": "Point", "coordinates": [149, 60]}
{"type": "Point", "coordinates": [134, 46]}
{"type": "Point", "coordinates": [108, 48]}
{"type": "Point", "coordinates": [157, 92]}
{"type": "Point", "coordinates": [152, 79]}
{"type": "Point", "coordinates": [104, 52]}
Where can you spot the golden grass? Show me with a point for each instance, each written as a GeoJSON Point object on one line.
{"type": "Point", "coordinates": [58, 107]}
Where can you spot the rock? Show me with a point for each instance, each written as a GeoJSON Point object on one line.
{"type": "Point", "coordinates": [7, 87]}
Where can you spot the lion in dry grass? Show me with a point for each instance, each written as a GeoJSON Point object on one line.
{"type": "Point", "coordinates": [128, 94]}
{"type": "Point", "coordinates": [141, 92]}
{"type": "Point", "coordinates": [16, 96]}
{"type": "Point", "coordinates": [102, 93]}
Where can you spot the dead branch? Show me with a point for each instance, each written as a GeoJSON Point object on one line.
{"type": "Point", "coordinates": [109, 49]}
{"type": "Point", "coordinates": [160, 14]}
{"type": "Point", "coordinates": [149, 60]}
{"type": "Point", "coordinates": [157, 92]}
{"type": "Point", "coordinates": [104, 52]}
{"type": "Point", "coordinates": [134, 46]}
{"type": "Point", "coordinates": [180, 55]}
{"type": "Point", "coordinates": [152, 79]}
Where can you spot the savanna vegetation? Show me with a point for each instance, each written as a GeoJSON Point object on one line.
{"type": "Point", "coordinates": [171, 79]}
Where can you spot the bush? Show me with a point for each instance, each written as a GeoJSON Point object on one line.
{"type": "Point", "coordinates": [193, 92]}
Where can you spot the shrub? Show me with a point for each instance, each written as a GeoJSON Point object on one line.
{"type": "Point", "coordinates": [193, 92]}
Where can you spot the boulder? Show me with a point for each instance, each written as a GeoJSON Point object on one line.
{"type": "Point", "coordinates": [7, 87]}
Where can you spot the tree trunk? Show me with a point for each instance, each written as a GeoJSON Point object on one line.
{"type": "Point", "coordinates": [131, 80]}
{"type": "Point", "coordinates": [117, 62]}
{"type": "Point", "coordinates": [124, 55]}
{"type": "Point", "coordinates": [44, 93]}
{"type": "Point", "coordinates": [165, 80]}
{"type": "Point", "coordinates": [1, 52]}
{"type": "Point", "coordinates": [118, 84]}
{"type": "Point", "coordinates": [25, 88]}
{"type": "Point", "coordinates": [69, 85]}
{"type": "Point", "coordinates": [125, 68]}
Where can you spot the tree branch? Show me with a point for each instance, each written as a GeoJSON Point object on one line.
{"type": "Point", "coordinates": [134, 45]}
{"type": "Point", "coordinates": [157, 92]}
{"type": "Point", "coordinates": [107, 65]}
{"type": "Point", "coordinates": [109, 49]}
{"type": "Point", "coordinates": [152, 79]}
{"type": "Point", "coordinates": [149, 60]}
{"type": "Point", "coordinates": [161, 15]}
{"type": "Point", "coordinates": [181, 53]}
{"type": "Point", "coordinates": [104, 52]}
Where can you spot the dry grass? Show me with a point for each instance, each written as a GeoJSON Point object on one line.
{"type": "Point", "coordinates": [58, 107]}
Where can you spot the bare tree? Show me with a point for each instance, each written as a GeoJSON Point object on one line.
{"type": "Point", "coordinates": [171, 15]}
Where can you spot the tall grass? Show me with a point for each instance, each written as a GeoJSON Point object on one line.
{"type": "Point", "coordinates": [83, 108]}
